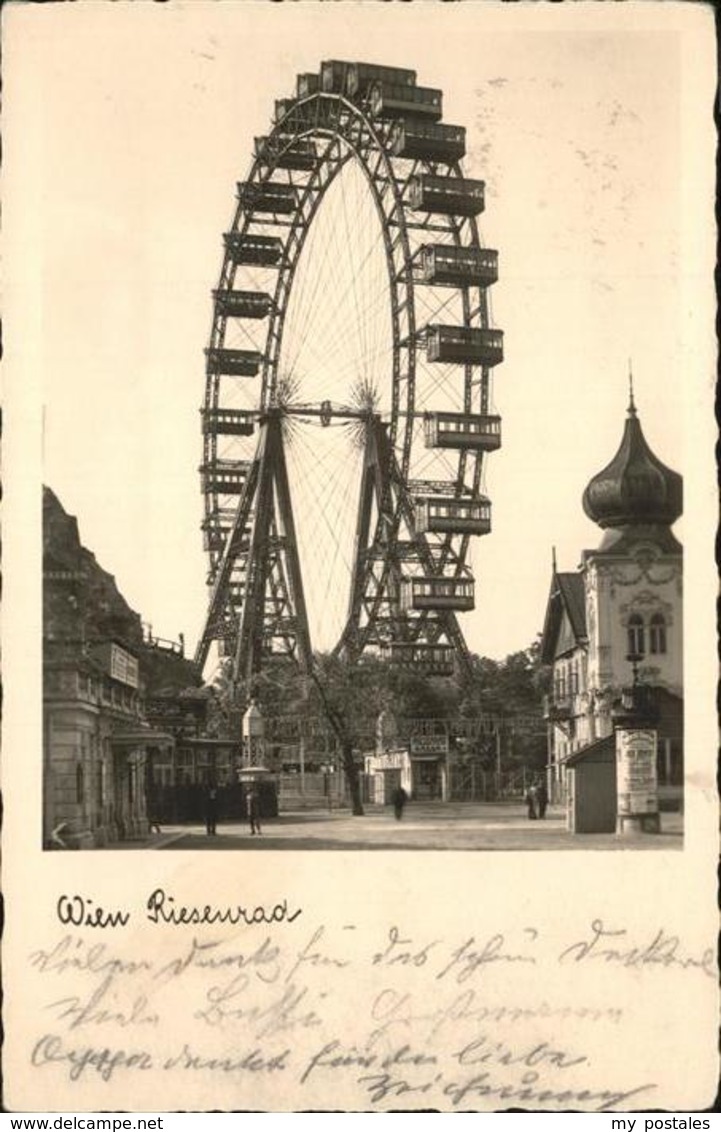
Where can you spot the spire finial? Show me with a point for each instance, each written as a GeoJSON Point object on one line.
{"type": "Point", "coordinates": [553, 559]}
{"type": "Point", "coordinates": [631, 404]}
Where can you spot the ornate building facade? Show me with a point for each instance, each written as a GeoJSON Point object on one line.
{"type": "Point", "coordinates": [619, 617]}
{"type": "Point", "coordinates": [103, 679]}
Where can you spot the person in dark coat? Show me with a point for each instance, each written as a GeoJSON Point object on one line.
{"type": "Point", "coordinates": [254, 810]}
{"type": "Point", "coordinates": [532, 801]}
{"type": "Point", "coordinates": [211, 809]}
{"type": "Point", "coordinates": [399, 800]}
{"type": "Point", "coordinates": [153, 823]}
{"type": "Point", "coordinates": [542, 797]}
{"type": "Point", "coordinates": [152, 810]}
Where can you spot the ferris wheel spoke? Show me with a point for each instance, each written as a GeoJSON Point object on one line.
{"type": "Point", "coordinates": [325, 493]}
{"type": "Point", "coordinates": [332, 328]}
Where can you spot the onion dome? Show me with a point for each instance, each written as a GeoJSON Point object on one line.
{"type": "Point", "coordinates": [635, 489]}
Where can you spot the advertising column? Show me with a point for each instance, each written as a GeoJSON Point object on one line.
{"type": "Point", "coordinates": [636, 781]}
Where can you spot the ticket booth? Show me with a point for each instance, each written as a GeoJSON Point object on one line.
{"type": "Point", "coordinates": [429, 762]}
{"type": "Point", "coordinates": [385, 773]}
{"type": "Point", "coordinates": [591, 788]}
{"type": "Point", "coordinates": [429, 778]}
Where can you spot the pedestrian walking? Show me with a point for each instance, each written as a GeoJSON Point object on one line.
{"type": "Point", "coordinates": [399, 800]}
{"type": "Point", "coordinates": [253, 803]}
{"type": "Point", "coordinates": [211, 809]}
{"type": "Point", "coordinates": [532, 801]}
{"type": "Point", "coordinates": [152, 812]}
{"type": "Point", "coordinates": [542, 797]}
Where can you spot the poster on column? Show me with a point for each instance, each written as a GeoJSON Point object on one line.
{"type": "Point", "coordinates": [404, 259]}
{"type": "Point", "coordinates": [637, 779]}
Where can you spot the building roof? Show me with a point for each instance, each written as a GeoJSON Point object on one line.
{"type": "Point", "coordinates": [567, 596]}
{"type": "Point", "coordinates": [574, 597]}
{"type": "Point", "coordinates": [604, 748]}
{"type": "Point", "coordinates": [636, 488]}
{"type": "Point", "coordinates": [82, 605]}
{"type": "Point", "coordinates": [81, 600]}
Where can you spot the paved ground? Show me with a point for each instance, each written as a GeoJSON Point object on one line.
{"type": "Point", "coordinates": [454, 826]}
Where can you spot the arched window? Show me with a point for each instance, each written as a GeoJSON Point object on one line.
{"type": "Point", "coordinates": [636, 635]}
{"type": "Point", "coordinates": [657, 634]}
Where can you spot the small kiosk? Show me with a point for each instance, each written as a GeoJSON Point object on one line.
{"type": "Point", "coordinates": [591, 788]}
{"type": "Point", "coordinates": [386, 772]}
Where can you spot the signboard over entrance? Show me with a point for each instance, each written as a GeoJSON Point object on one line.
{"type": "Point", "coordinates": [389, 760]}
{"type": "Point", "coordinates": [118, 663]}
{"type": "Point", "coordinates": [429, 744]}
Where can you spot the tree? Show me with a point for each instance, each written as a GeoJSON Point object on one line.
{"type": "Point", "coordinates": [281, 689]}
{"type": "Point", "coordinates": [351, 697]}
{"type": "Point", "coordinates": [338, 719]}
{"type": "Point", "coordinates": [510, 691]}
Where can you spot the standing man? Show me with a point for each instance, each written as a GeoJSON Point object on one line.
{"type": "Point", "coordinates": [253, 810]}
{"type": "Point", "coordinates": [152, 810]}
{"type": "Point", "coordinates": [399, 800]}
{"type": "Point", "coordinates": [532, 801]}
{"type": "Point", "coordinates": [542, 797]}
{"type": "Point", "coordinates": [211, 808]}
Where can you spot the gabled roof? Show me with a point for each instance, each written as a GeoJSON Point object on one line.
{"type": "Point", "coordinates": [567, 596]}
{"type": "Point", "coordinates": [574, 596]}
{"type": "Point", "coordinates": [601, 748]}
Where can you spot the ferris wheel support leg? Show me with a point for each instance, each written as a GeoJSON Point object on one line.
{"type": "Point", "coordinates": [273, 566]}
{"type": "Point", "coordinates": [247, 658]}
{"type": "Point", "coordinates": [371, 486]}
{"type": "Point", "coordinates": [448, 619]}
{"type": "Point", "coordinates": [455, 635]}
{"type": "Point", "coordinates": [376, 485]}
{"type": "Point", "coordinates": [220, 585]}
{"type": "Point", "coordinates": [359, 559]}
{"type": "Point", "coordinates": [304, 652]}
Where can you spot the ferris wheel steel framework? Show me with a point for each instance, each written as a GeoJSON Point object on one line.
{"type": "Point", "coordinates": [257, 604]}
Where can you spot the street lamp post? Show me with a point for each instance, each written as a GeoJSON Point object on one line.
{"type": "Point", "coordinates": [253, 774]}
{"type": "Point", "coordinates": [253, 732]}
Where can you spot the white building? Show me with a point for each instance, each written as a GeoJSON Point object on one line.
{"type": "Point", "coordinates": [621, 611]}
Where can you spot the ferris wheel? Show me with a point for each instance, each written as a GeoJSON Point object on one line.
{"type": "Point", "coordinates": [348, 407]}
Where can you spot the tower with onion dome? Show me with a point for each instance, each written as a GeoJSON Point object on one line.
{"type": "Point", "coordinates": [619, 616]}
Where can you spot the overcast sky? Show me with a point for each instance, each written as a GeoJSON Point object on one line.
{"type": "Point", "coordinates": [137, 120]}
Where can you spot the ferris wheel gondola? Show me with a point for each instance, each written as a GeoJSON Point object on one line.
{"type": "Point", "coordinates": [352, 300]}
